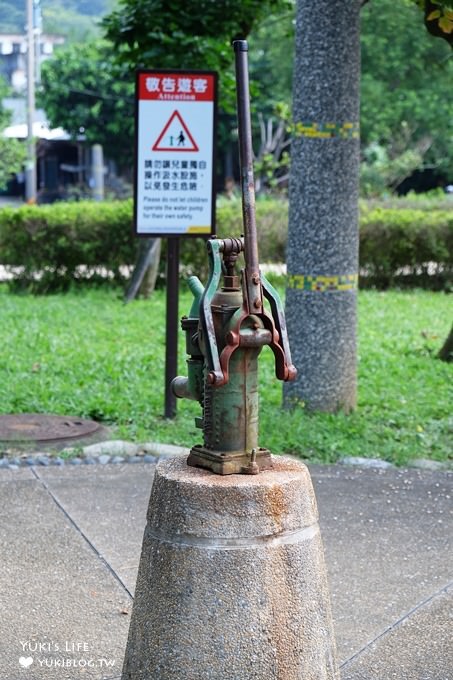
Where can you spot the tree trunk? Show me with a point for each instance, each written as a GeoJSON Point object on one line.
{"type": "Point", "coordinates": [149, 280]}
{"type": "Point", "coordinates": [322, 255]}
{"type": "Point", "coordinates": [148, 256]}
{"type": "Point", "coordinates": [446, 351]}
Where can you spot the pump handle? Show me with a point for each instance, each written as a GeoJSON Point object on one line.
{"type": "Point", "coordinates": [254, 285]}
{"type": "Point", "coordinates": [252, 276]}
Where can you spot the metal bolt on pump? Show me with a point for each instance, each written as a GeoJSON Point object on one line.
{"type": "Point", "coordinates": [227, 327]}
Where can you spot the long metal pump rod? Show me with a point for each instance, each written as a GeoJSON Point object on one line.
{"type": "Point", "coordinates": [252, 273]}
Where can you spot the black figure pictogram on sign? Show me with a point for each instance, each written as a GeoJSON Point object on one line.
{"type": "Point", "coordinates": [175, 136]}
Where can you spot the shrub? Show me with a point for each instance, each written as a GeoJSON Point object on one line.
{"type": "Point", "coordinates": [46, 246]}
{"type": "Point", "coordinates": [406, 246]}
{"type": "Point", "coordinates": [54, 240]}
{"type": "Point", "coordinates": [50, 243]}
{"type": "Point", "coordinates": [272, 221]}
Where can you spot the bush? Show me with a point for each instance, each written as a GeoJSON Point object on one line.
{"type": "Point", "coordinates": [272, 221]}
{"type": "Point", "coordinates": [406, 247]}
{"type": "Point", "coordinates": [50, 243]}
{"type": "Point", "coordinates": [51, 247]}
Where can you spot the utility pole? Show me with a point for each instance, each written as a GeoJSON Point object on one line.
{"type": "Point", "coordinates": [30, 170]}
{"type": "Point", "coordinates": [37, 31]}
{"type": "Point", "coordinates": [97, 172]}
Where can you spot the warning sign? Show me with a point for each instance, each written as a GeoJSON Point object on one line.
{"type": "Point", "coordinates": [174, 188]}
{"type": "Point", "coordinates": [175, 136]}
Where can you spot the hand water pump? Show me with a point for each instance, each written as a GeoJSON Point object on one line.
{"type": "Point", "coordinates": [227, 327]}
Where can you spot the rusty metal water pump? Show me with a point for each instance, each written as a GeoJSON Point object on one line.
{"type": "Point", "coordinates": [227, 327]}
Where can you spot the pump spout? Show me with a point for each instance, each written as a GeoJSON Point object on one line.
{"type": "Point", "coordinates": [197, 290]}
{"type": "Point", "coordinates": [191, 387]}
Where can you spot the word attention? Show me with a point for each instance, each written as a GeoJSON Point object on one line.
{"type": "Point", "coordinates": [180, 85]}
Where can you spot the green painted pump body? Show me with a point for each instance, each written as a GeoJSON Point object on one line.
{"type": "Point", "coordinates": [229, 412]}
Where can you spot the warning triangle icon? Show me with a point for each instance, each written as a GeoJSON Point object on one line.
{"type": "Point", "coordinates": [175, 136]}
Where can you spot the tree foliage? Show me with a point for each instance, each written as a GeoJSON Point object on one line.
{"type": "Point", "coordinates": [86, 92]}
{"type": "Point", "coordinates": [12, 13]}
{"type": "Point", "coordinates": [12, 159]}
{"type": "Point", "coordinates": [5, 116]}
{"type": "Point", "coordinates": [186, 33]}
{"type": "Point", "coordinates": [271, 53]}
{"type": "Point", "coordinates": [406, 102]}
{"type": "Point", "coordinates": [71, 18]}
{"type": "Point", "coordinates": [438, 17]}
{"type": "Point", "coordinates": [406, 123]}
{"type": "Point", "coordinates": [12, 152]}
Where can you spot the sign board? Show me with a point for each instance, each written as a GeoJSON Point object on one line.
{"type": "Point", "coordinates": [174, 154]}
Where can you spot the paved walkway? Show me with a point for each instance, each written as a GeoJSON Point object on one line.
{"type": "Point", "coordinates": [70, 541]}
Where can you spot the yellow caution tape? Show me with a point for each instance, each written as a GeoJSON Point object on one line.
{"type": "Point", "coordinates": [323, 284]}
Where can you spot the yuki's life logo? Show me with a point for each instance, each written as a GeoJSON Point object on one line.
{"type": "Point", "coordinates": [66, 654]}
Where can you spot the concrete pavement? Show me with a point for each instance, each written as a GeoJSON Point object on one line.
{"type": "Point", "coordinates": [70, 541]}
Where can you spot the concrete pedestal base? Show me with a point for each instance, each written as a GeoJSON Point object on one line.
{"type": "Point", "coordinates": [232, 582]}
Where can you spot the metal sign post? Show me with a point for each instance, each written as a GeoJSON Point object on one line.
{"type": "Point", "coordinates": [171, 332]}
{"type": "Point", "coordinates": [174, 175]}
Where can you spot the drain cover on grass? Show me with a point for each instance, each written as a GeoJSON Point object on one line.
{"type": "Point", "coordinates": [43, 428]}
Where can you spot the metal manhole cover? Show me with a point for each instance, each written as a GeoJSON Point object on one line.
{"type": "Point", "coordinates": [40, 428]}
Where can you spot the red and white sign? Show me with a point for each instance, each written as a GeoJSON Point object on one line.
{"type": "Point", "coordinates": [174, 178]}
{"type": "Point", "coordinates": [177, 86]}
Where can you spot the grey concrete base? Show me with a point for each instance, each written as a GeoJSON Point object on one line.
{"type": "Point", "coordinates": [232, 580]}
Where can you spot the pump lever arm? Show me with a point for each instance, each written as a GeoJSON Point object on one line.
{"type": "Point", "coordinates": [255, 286]}
{"type": "Point", "coordinates": [254, 283]}
{"type": "Point", "coordinates": [252, 279]}
{"type": "Point", "coordinates": [215, 374]}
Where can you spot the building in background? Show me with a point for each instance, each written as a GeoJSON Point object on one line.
{"type": "Point", "coordinates": [63, 164]}
{"type": "Point", "coordinates": [13, 57]}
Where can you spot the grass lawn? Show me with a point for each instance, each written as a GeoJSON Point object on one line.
{"type": "Point", "coordinates": [88, 354]}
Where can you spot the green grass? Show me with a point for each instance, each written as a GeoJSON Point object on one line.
{"type": "Point", "coordinates": [89, 355]}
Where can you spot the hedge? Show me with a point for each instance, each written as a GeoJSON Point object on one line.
{"type": "Point", "coordinates": [50, 247]}
{"type": "Point", "coordinates": [401, 246]}
{"type": "Point", "coordinates": [50, 242]}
